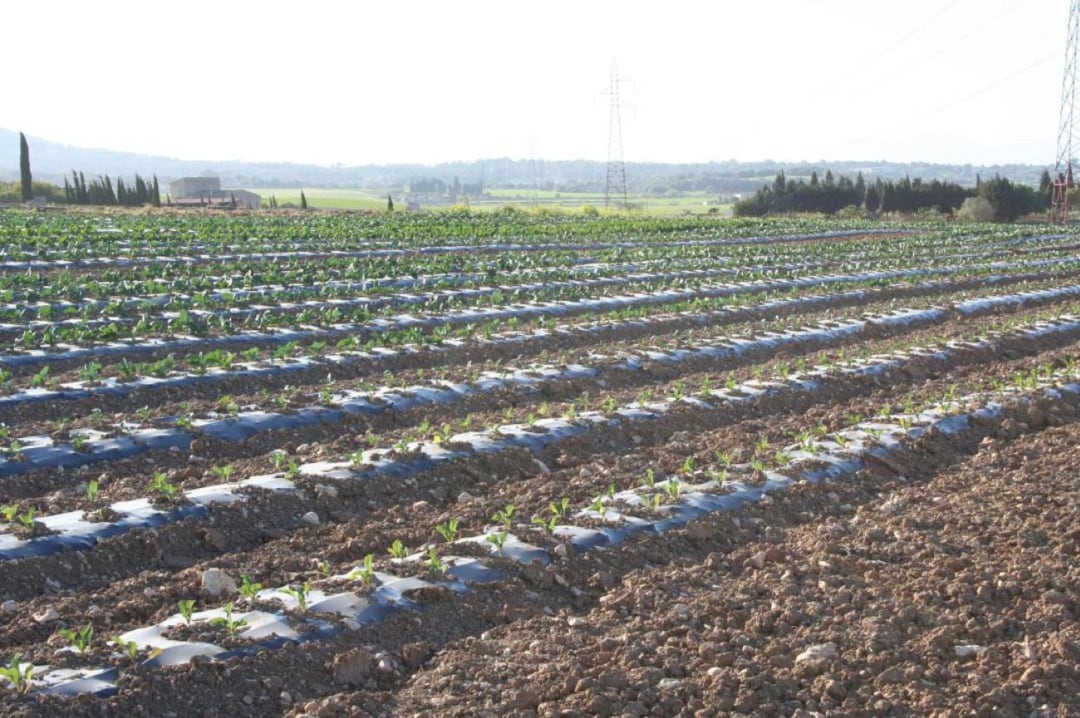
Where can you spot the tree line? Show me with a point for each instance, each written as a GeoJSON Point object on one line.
{"type": "Point", "coordinates": [904, 196]}
{"type": "Point", "coordinates": [102, 191]}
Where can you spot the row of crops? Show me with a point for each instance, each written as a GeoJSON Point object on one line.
{"type": "Point", "coordinates": [243, 439]}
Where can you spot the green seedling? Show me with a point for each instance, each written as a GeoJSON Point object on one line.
{"type": "Point", "coordinates": [280, 459]}
{"type": "Point", "coordinates": [186, 606]}
{"type": "Point", "coordinates": [673, 488]}
{"type": "Point", "coordinates": [9, 512]}
{"type": "Point", "coordinates": [435, 562]}
{"type": "Point", "coordinates": [560, 508]}
{"type": "Point", "coordinates": [650, 478]}
{"type": "Point", "coordinates": [79, 443]}
{"type": "Point", "coordinates": [18, 677]}
{"type": "Point", "coordinates": [223, 472]}
{"type": "Point", "coordinates": [249, 589]}
{"type": "Point", "coordinates": [130, 648]}
{"type": "Point", "coordinates": [598, 506]}
{"type": "Point", "coordinates": [90, 373]}
{"type": "Point", "coordinates": [160, 484]}
{"type": "Point", "coordinates": [292, 470]}
{"type": "Point", "coordinates": [397, 549]}
{"type": "Point", "coordinates": [39, 379]}
{"type": "Point", "coordinates": [365, 573]}
{"type": "Point", "coordinates": [655, 500]}
{"type": "Point", "coordinates": [497, 540]}
{"type": "Point", "coordinates": [323, 566]}
{"type": "Point", "coordinates": [79, 639]}
{"type": "Point", "coordinates": [356, 459]}
{"type": "Point", "coordinates": [26, 518]}
{"type": "Point", "coordinates": [547, 524]}
{"type": "Point", "coordinates": [448, 530]}
{"type": "Point", "coordinates": [14, 449]}
{"type": "Point", "coordinates": [504, 516]}
{"type": "Point", "coordinates": [689, 465]}
{"type": "Point", "coordinates": [300, 593]}
{"type": "Point", "coordinates": [230, 624]}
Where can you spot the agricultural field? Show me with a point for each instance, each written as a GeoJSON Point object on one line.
{"type": "Point", "coordinates": [497, 198]}
{"type": "Point", "coordinates": [499, 464]}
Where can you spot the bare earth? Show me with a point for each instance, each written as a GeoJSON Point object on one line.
{"type": "Point", "coordinates": [942, 584]}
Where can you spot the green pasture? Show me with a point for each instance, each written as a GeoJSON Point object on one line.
{"type": "Point", "coordinates": [496, 198]}
{"type": "Point", "coordinates": [323, 197]}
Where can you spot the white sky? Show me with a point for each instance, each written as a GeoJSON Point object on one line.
{"type": "Point", "coordinates": [355, 82]}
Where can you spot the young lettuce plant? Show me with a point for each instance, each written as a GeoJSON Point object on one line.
{"type": "Point", "coordinates": [130, 648]}
{"type": "Point", "coordinates": [560, 508]}
{"type": "Point", "coordinates": [548, 524]}
{"type": "Point", "coordinates": [16, 675]}
{"type": "Point", "coordinates": [300, 593]}
{"type": "Point", "coordinates": [397, 549]}
{"type": "Point", "coordinates": [186, 607]}
{"type": "Point", "coordinates": [223, 472]}
{"type": "Point", "coordinates": [365, 573]}
{"type": "Point", "coordinates": [497, 539]}
{"type": "Point", "coordinates": [79, 639]}
{"type": "Point", "coordinates": [232, 625]}
{"type": "Point", "coordinates": [448, 530]}
{"type": "Point", "coordinates": [504, 516]}
{"type": "Point", "coordinates": [161, 485]}
{"type": "Point", "coordinates": [249, 589]}
{"type": "Point", "coordinates": [435, 562]}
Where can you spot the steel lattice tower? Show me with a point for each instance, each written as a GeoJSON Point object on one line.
{"type": "Point", "coordinates": [616, 167]}
{"type": "Point", "coordinates": [1063, 170]}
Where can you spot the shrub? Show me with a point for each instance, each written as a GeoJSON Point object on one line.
{"type": "Point", "coordinates": [976, 209]}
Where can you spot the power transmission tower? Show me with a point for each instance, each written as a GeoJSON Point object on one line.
{"type": "Point", "coordinates": [1063, 170]}
{"type": "Point", "coordinates": [615, 183]}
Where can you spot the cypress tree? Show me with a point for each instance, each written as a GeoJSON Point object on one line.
{"type": "Point", "coordinates": [24, 169]}
{"type": "Point", "coordinates": [303, 200]}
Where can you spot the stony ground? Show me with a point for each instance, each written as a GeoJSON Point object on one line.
{"type": "Point", "coordinates": [952, 594]}
{"type": "Point", "coordinates": [943, 583]}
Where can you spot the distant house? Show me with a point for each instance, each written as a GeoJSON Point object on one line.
{"type": "Point", "coordinates": [198, 191]}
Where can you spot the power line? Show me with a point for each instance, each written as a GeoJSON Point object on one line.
{"type": "Point", "coordinates": [953, 103]}
{"type": "Point", "coordinates": [842, 82]}
{"type": "Point", "coordinates": [908, 67]}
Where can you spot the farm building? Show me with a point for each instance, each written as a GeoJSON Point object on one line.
{"type": "Point", "coordinates": [188, 191]}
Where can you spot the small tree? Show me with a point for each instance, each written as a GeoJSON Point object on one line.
{"type": "Point", "coordinates": [976, 209]}
{"type": "Point", "coordinates": [303, 200]}
{"type": "Point", "coordinates": [389, 203]}
{"type": "Point", "coordinates": [24, 169]}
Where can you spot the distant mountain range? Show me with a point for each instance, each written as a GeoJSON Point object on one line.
{"type": "Point", "coordinates": [51, 162]}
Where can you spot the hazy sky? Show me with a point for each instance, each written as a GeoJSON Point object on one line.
{"type": "Point", "coordinates": [355, 82]}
